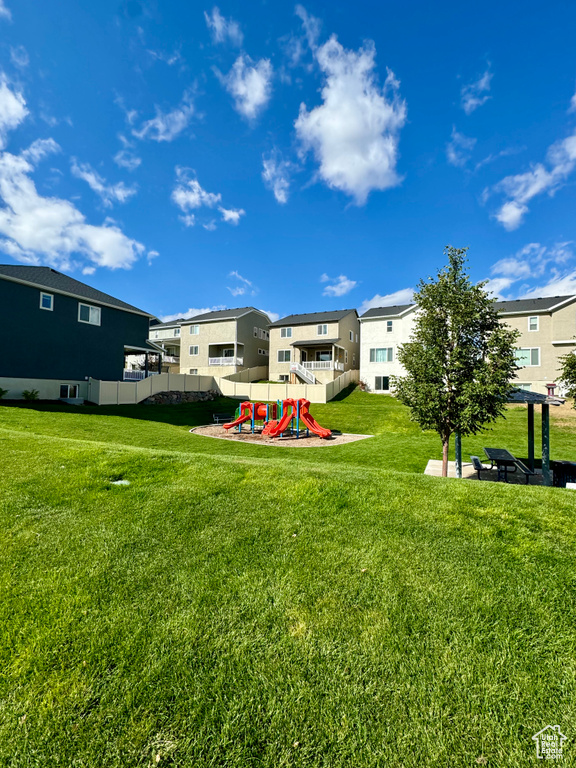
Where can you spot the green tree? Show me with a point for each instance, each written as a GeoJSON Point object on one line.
{"type": "Point", "coordinates": [460, 359]}
{"type": "Point", "coordinates": [568, 374]}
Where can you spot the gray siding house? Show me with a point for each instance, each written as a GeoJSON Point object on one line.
{"type": "Point", "coordinates": [62, 329]}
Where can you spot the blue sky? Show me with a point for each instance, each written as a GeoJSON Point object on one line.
{"type": "Point", "coordinates": [185, 156]}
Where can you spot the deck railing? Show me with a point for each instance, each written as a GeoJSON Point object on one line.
{"type": "Point", "coordinates": [225, 361]}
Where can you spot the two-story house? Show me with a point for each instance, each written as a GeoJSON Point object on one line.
{"type": "Point", "coordinates": [62, 330]}
{"type": "Point", "coordinates": [224, 342]}
{"type": "Point", "coordinates": [315, 347]}
{"type": "Point", "coordinates": [384, 329]}
{"type": "Point", "coordinates": [547, 329]}
{"type": "Point", "coordinates": [166, 336]}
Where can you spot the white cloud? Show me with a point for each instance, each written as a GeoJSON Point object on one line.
{"type": "Point", "coordinates": [338, 286]}
{"type": "Point", "coordinates": [403, 296]}
{"type": "Point", "coordinates": [49, 230]}
{"type": "Point", "coordinates": [189, 196]}
{"type": "Point", "coordinates": [108, 193]}
{"type": "Point", "coordinates": [272, 315]}
{"type": "Point", "coordinates": [244, 287]}
{"type": "Point", "coordinates": [223, 29]}
{"type": "Point", "coordinates": [276, 175]}
{"type": "Point", "coordinates": [459, 148]}
{"type": "Point", "coordinates": [354, 132]}
{"type": "Point", "coordinates": [12, 110]}
{"type": "Point", "coordinates": [19, 56]}
{"type": "Point", "coordinates": [168, 58]}
{"type": "Point", "coordinates": [4, 12]}
{"type": "Point", "coordinates": [166, 126]}
{"type": "Point", "coordinates": [151, 255]}
{"type": "Point", "coordinates": [531, 262]}
{"type": "Point", "coordinates": [126, 158]}
{"type": "Point", "coordinates": [40, 149]}
{"type": "Point", "coordinates": [312, 26]}
{"type": "Point", "coordinates": [559, 285]}
{"type": "Point", "coordinates": [521, 188]}
{"type": "Point", "coordinates": [232, 215]}
{"type": "Point", "coordinates": [250, 85]}
{"type": "Point", "coordinates": [476, 94]}
{"type": "Point", "coordinates": [192, 312]}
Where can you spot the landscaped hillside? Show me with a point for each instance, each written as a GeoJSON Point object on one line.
{"type": "Point", "coordinates": [245, 606]}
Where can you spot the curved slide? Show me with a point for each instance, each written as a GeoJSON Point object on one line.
{"type": "Point", "coordinates": [284, 422]}
{"type": "Point", "coordinates": [245, 415]}
{"type": "Point", "coordinates": [311, 423]}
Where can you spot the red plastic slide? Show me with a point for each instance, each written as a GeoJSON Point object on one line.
{"type": "Point", "coordinates": [245, 415]}
{"type": "Point", "coordinates": [311, 423]}
{"type": "Point", "coordinates": [284, 423]}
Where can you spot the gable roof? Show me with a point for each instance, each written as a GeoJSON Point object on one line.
{"type": "Point", "coordinates": [53, 281]}
{"type": "Point", "coordinates": [394, 311]}
{"type": "Point", "coordinates": [313, 317]}
{"type": "Point", "coordinates": [223, 314]}
{"type": "Point", "coordinates": [545, 304]}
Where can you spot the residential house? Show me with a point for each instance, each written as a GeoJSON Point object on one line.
{"type": "Point", "coordinates": [166, 336]}
{"type": "Point", "coordinates": [547, 331]}
{"type": "Point", "coordinates": [224, 342]}
{"type": "Point", "coordinates": [63, 332]}
{"type": "Point", "coordinates": [314, 348]}
{"type": "Point", "coordinates": [383, 330]}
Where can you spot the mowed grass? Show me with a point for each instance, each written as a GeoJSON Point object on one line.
{"type": "Point", "coordinates": [242, 606]}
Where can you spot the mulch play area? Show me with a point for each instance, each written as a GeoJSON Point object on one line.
{"type": "Point", "coordinates": [288, 441]}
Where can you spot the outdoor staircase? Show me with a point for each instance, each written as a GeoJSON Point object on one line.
{"type": "Point", "coordinates": [304, 374]}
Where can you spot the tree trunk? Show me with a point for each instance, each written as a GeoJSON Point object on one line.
{"type": "Point", "coordinates": [445, 446]}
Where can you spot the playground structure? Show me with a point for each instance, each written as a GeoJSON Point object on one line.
{"type": "Point", "coordinates": [278, 418]}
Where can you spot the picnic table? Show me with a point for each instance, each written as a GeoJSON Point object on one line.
{"type": "Point", "coordinates": [504, 461]}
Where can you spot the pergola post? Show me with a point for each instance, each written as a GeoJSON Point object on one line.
{"type": "Point", "coordinates": [458, 453]}
{"type": "Point", "coordinates": [531, 436]}
{"type": "Point", "coordinates": [546, 444]}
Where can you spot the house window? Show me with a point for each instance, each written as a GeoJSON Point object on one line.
{"type": "Point", "coordinates": [285, 333]}
{"type": "Point", "coordinates": [356, 338]}
{"type": "Point", "coordinates": [322, 330]}
{"type": "Point", "coordinates": [193, 351]}
{"type": "Point", "coordinates": [351, 335]}
{"type": "Point", "coordinates": [389, 326]}
{"type": "Point", "coordinates": [524, 387]}
{"type": "Point", "coordinates": [88, 314]}
{"type": "Point", "coordinates": [284, 355]}
{"type": "Point", "coordinates": [383, 355]}
{"type": "Point", "coordinates": [382, 383]}
{"type": "Point", "coordinates": [267, 335]}
{"type": "Point", "coordinates": [46, 301]}
{"type": "Point", "coordinates": [346, 356]}
{"type": "Point", "coordinates": [155, 335]}
{"type": "Point", "coordinates": [284, 377]}
{"type": "Point", "coordinates": [68, 391]}
{"type": "Point", "coordinates": [255, 332]}
{"type": "Point", "coordinates": [533, 323]}
{"type": "Point", "coordinates": [263, 352]}
{"type": "Point", "coordinates": [527, 357]}
{"type": "Point", "coordinates": [176, 331]}
{"type": "Point", "coordinates": [194, 330]}
{"type": "Point", "coordinates": [323, 355]}
{"type": "Point", "coordinates": [193, 371]}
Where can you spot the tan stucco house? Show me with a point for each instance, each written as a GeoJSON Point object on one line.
{"type": "Point", "coordinates": [224, 342]}
{"type": "Point", "coordinates": [314, 348]}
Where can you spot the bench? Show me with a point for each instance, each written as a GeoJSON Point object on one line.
{"type": "Point", "coordinates": [523, 468]}
{"type": "Point", "coordinates": [222, 418]}
{"type": "Point", "coordinates": [478, 466]}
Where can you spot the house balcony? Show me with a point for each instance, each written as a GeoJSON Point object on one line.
{"type": "Point", "coordinates": [137, 375]}
{"type": "Point", "coordinates": [324, 365]}
{"type": "Point", "coordinates": [170, 359]}
{"type": "Point", "coordinates": [225, 361]}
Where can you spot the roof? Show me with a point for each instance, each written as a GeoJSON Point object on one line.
{"type": "Point", "coordinates": [173, 323]}
{"type": "Point", "coordinates": [51, 280]}
{"type": "Point", "coordinates": [223, 314]}
{"type": "Point", "coordinates": [314, 343]}
{"type": "Point", "coordinates": [524, 396]}
{"type": "Point", "coordinates": [393, 311]}
{"type": "Point", "coordinates": [531, 305]}
{"type": "Point", "coordinates": [313, 317]}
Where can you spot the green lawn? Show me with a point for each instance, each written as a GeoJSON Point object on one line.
{"type": "Point", "coordinates": [243, 606]}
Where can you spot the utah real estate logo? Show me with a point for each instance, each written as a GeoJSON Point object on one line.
{"type": "Point", "coordinates": [549, 743]}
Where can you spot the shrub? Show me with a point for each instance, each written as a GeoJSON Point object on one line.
{"type": "Point", "coordinates": [3, 393]}
{"type": "Point", "coordinates": [30, 394]}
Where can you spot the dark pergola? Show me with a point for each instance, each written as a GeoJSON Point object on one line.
{"type": "Point", "coordinates": [519, 396]}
